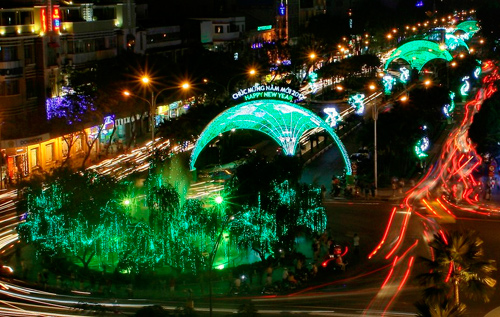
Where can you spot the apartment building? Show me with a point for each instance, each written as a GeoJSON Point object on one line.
{"type": "Point", "coordinates": [38, 39]}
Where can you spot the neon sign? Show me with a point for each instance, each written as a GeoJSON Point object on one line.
{"type": "Point", "coordinates": [44, 21]}
{"type": "Point", "coordinates": [264, 27]}
{"type": "Point", "coordinates": [282, 9]}
{"type": "Point", "coordinates": [268, 92]}
{"type": "Point", "coordinates": [57, 19]}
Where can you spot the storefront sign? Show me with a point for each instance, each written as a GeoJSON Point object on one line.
{"type": "Point", "coordinates": [7, 144]}
{"type": "Point", "coordinates": [269, 92]}
{"type": "Point", "coordinates": [137, 117]}
{"type": "Point", "coordinates": [264, 27]}
{"type": "Point", "coordinates": [44, 21]}
{"type": "Point", "coordinates": [56, 18]}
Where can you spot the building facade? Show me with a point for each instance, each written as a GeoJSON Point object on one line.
{"type": "Point", "coordinates": [38, 40]}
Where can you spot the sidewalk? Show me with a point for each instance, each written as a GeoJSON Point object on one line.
{"type": "Point", "coordinates": [383, 194]}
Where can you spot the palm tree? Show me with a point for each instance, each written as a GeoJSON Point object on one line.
{"type": "Point", "coordinates": [458, 267]}
{"type": "Point", "coordinates": [445, 309]}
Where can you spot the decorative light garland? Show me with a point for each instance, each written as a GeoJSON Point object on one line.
{"type": "Point", "coordinates": [357, 102]}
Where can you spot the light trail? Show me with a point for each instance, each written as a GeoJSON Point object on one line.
{"type": "Point", "coordinates": [451, 173]}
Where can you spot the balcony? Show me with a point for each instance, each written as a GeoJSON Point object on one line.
{"type": "Point", "coordinates": [79, 58]}
{"type": "Point", "coordinates": [87, 27]}
{"type": "Point", "coordinates": [10, 64]}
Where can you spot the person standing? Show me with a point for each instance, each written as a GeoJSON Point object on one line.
{"type": "Point", "coordinates": [355, 243]}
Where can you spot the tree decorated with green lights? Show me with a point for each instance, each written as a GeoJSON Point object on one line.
{"type": "Point", "coordinates": [274, 206]}
{"type": "Point", "coordinates": [76, 215]}
{"type": "Point", "coordinates": [96, 220]}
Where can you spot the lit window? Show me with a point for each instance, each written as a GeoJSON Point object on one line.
{"type": "Point", "coordinates": [49, 152]}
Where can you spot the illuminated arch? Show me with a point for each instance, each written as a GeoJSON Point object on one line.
{"type": "Point", "coordinates": [453, 42]}
{"type": "Point", "coordinates": [469, 27]}
{"type": "Point", "coordinates": [283, 121]}
{"type": "Point", "coordinates": [418, 53]}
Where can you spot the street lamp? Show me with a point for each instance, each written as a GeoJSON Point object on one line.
{"type": "Point", "coordinates": [375, 164]}
{"type": "Point", "coordinates": [152, 103]}
{"type": "Point", "coordinates": [219, 200]}
{"type": "Point", "coordinates": [206, 81]}
{"type": "Point", "coordinates": [251, 72]}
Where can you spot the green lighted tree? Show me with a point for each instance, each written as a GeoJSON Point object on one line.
{"type": "Point", "coordinates": [275, 206]}
{"type": "Point", "coordinates": [75, 215]}
{"type": "Point", "coordinates": [255, 229]}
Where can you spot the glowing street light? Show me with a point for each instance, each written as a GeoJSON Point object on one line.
{"type": "Point", "coordinates": [152, 103]}
{"type": "Point", "coordinates": [218, 200]}
{"type": "Point", "coordinates": [251, 72]}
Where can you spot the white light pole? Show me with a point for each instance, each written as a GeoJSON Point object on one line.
{"type": "Point", "coordinates": [375, 150]}
{"type": "Point", "coordinates": [375, 118]}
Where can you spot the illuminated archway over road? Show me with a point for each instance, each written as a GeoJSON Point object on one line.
{"type": "Point", "coordinates": [469, 27]}
{"type": "Point", "coordinates": [283, 121]}
{"type": "Point", "coordinates": [417, 53]}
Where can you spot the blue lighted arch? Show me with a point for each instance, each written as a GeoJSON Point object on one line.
{"type": "Point", "coordinates": [417, 53]}
{"type": "Point", "coordinates": [283, 121]}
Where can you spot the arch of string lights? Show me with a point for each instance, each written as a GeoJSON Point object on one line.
{"type": "Point", "coordinates": [469, 27]}
{"type": "Point", "coordinates": [283, 121]}
{"type": "Point", "coordinates": [417, 53]}
{"type": "Point", "coordinates": [453, 42]}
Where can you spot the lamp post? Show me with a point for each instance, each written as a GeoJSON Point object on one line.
{"type": "Point", "coordinates": [251, 72]}
{"type": "Point", "coordinates": [152, 103]}
{"type": "Point", "coordinates": [218, 200]}
{"type": "Point", "coordinates": [206, 81]}
{"type": "Point", "coordinates": [375, 163]}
